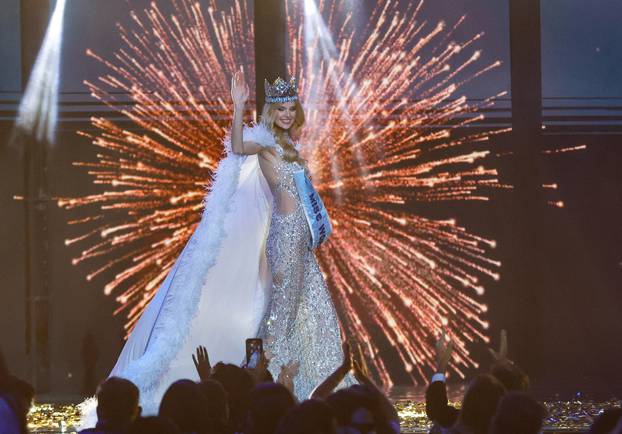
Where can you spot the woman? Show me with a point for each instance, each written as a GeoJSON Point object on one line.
{"type": "Point", "coordinates": [247, 270]}
{"type": "Point", "coordinates": [299, 323]}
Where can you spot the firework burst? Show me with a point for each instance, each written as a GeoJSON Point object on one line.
{"type": "Point", "coordinates": [385, 135]}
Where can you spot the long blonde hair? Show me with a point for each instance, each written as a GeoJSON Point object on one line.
{"type": "Point", "coordinates": [268, 118]}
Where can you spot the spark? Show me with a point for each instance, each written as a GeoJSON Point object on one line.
{"type": "Point", "coordinates": [388, 136]}
{"type": "Point", "coordinates": [565, 149]}
{"type": "Point", "coordinates": [554, 186]}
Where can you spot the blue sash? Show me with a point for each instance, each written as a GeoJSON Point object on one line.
{"type": "Point", "coordinates": [315, 211]}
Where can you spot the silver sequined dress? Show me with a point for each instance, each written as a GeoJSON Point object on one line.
{"type": "Point", "coordinates": [300, 322]}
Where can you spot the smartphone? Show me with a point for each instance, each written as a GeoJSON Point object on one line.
{"type": "Point", "coordinates": [254, 349]}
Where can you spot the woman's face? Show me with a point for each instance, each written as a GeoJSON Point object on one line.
{"type": "Point", "coordinates": [285, 114]}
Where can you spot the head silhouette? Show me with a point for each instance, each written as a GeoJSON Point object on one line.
{"type": "Point", "coordinates": [117, 402]}
{"type": "Point", "coordinates": [186, 406]}
{"type": "Point", "coordinates": [518, 413]}
{"type": "Point", "coordinates": [480, 403]}
{"type": "Point", "coordinates": [268, 403]}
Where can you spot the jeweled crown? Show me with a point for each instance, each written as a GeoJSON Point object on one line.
{"type": "Point", "coordinates": [281, 90]}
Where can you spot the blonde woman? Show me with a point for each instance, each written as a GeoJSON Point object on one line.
{"type": "Point", "coordinates": [299, 322]}
{"type": "Point", "coordinates": [249, 269]}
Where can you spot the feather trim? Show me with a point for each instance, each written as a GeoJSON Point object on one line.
{"type": "Point", "coordinates": [258, 133]}
{"type": "Point", "coordinates": [179, 307]}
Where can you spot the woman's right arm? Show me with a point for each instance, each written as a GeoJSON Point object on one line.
{"type": "Point", "coordinates": [239, 95]}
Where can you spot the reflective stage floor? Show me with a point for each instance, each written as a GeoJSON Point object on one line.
{"type": "Point", "coordinates": [570, 414]}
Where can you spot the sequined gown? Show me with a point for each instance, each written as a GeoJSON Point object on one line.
{"type": "Point", "coordinates": [300, 322]}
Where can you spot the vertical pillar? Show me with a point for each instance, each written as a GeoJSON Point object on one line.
{"type": "Point", "coordinates": [34, 17]}
{"type": "Point", "coordinates": [526, 71]}
{"type": "Point", "coordinates": [270, 39]}
{"type": "Point", "coordinates": [528, 275]}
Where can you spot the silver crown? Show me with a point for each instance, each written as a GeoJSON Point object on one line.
{"type": "Point", "coordinates": [281, 91]}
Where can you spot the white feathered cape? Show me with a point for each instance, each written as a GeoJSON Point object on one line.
{"type": "Point", "coordinates": [215, 293]}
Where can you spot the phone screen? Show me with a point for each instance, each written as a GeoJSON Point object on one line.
{"type": "Point", "coordinates": [254, 348]}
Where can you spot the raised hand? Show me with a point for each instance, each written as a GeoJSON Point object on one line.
{"type": "Point", "coordinates": [444, 348]}
{"type": "Point", "coordinates": [347, 357]}
{"type": "Point", "coordinates": [362, 375]}
{"type": "Point", "coordinates": [502, 354]}
{"type": "Point", "coordinates": [239, 90]}
{"type": "Point", "coordinates": [288, 373]}
{"type": "Point", "coordinates": [360, 368]}
{"type": "Point", "coordinates": [260, 372]}
{"type": "Point", "coordinates": [327, 386]}
{"type": "Point", "coordinates": [268, 343]}
{"type": "Point", "coordinates": [201, 363]}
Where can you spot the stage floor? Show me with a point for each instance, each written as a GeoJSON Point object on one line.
{"type": "Point", "coordinates": [573, 415]}
{"type": "Point", "coordinates": [567, 411]}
